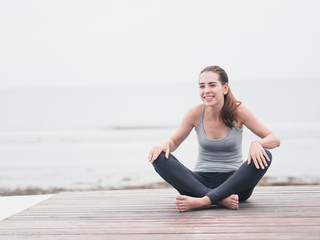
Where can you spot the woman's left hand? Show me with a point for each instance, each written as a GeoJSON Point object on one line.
{"type": "Point", "coordinates": [258, 155]}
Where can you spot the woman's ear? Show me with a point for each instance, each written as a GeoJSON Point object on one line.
{"type": "Point", "coordinates": [226, 88]}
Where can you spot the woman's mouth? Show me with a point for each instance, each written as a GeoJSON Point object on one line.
{"type": "Point", "coordinates": [208, 97]}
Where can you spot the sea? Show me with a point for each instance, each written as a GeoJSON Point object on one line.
{"type": "Point", "coordinates": [99, 137]}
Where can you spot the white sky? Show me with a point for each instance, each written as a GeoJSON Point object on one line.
{"type": "Point", "coordinates": [73, 42]}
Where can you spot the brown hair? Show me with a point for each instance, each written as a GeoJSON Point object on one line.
{"type": "Point", "coordinates": [228, 113]}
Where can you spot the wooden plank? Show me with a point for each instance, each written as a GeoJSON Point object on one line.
{"type": "Point", "coordinates": [271, 213]}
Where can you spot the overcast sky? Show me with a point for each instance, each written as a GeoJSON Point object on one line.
{"type": "Point", "coordinates": [74, 42]}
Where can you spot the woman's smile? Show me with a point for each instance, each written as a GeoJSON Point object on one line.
{"type": "Point", "coordinates": [208, 98]}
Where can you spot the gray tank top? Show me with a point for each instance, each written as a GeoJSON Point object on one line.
{"type": "Point", "coordinates": [219, 155]}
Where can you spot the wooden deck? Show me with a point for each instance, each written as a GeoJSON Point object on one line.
{"type": "Point", "coordinates": [271, 213]}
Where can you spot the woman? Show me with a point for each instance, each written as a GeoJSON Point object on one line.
{"type": "Point", "coordinates": [220, 177]}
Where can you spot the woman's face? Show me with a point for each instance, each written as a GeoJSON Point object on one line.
{"type": "Point", "coordinates": [211, 89]}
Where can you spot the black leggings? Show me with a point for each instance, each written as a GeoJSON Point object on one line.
{"type": "Point", "coordinates": [215, 185]}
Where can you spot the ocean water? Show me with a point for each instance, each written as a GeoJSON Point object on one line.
{"type": "Point", "coordinates": [99, 137]}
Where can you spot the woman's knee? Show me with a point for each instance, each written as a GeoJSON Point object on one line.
{"type": "Point", "coordinates": [159, 160]}
{"type": "Point", "coordinates": [269, 155]}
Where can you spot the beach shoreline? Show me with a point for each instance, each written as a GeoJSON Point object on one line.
{"type": "Point", "coordinates": [266, 181]}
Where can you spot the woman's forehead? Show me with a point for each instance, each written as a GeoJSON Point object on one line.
{"type": "Point", "coordinates": [206, 77]}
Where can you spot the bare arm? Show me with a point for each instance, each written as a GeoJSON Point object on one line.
{"type": "Point", "coordinates": [267, 138]}
{"type": "Point", "coordinates": [178, 137]}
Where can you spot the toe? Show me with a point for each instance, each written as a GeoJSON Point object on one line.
{"type": "Point", "coordinates": [181, 197]}
{"type": "Point", "coordinates": [236, 197]}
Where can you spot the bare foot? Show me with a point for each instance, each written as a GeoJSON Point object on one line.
{"type": "Point", "coordinates": [231, 202]}
{"type": "Point", "coordinates": [185, 203]}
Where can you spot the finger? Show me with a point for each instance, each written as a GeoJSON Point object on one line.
{"type": "Point", "coordinates": [255, 163]}
{"type": "Point", "coordinates": [150, 154]}
{"type": "Point", "coordinates": [260, 162]}
{"type": "Point", "coordinates": [249, 160]}
{"type": "Point", "coordinates": [155, 155]}
{"type": "Point", "coordinates": [266, 155]}
{"type": "Point", "coordinates": [159, 151]}
{"type": "Point", "coordinates": [167, 153]}
{"type": "Point", "coordinates": [264, 160]}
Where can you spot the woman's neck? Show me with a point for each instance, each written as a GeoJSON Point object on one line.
{"type": "Point", "coordinates": [214, 112]}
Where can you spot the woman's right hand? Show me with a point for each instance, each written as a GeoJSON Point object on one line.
{"type": "Point", "coordinates": [188, 123]}
{"type": "Point", "coordinates": [156, 150]}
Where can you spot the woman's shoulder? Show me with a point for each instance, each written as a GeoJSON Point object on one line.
{"type": "Point", "coordinates": [194, 114]}
{"type": "Point", "coordinates": [196, 110]}
{"type": "Point", "coordinates": [241, 108]}
{"type": "Point", "coordinates": [242, 113]}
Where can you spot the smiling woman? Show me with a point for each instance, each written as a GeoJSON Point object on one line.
{"type": "Point", "coordinates": [219, 176]}
{"type": "Point", "coordinates": [221, 81]}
